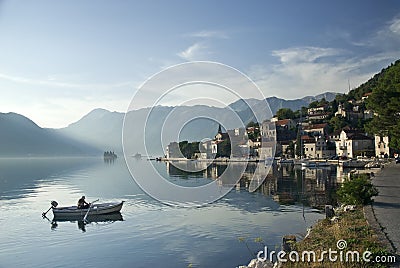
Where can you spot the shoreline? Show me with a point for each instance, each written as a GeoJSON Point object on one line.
{"type": "Point", "coordinates": [358, 226]}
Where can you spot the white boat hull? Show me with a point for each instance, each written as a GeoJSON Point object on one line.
{"type": "Point", "coordinates": [96, 209]}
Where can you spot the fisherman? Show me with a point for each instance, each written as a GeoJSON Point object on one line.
{"type": "Point", "coordinates": [82, 203]}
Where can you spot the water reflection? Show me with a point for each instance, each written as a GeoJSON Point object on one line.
{"type": "Point", "coordinates": [202, 237]}
{"type": "Point", "coordinates": [207, 170]}
{"type": "Point", "coordinates": [91, 219]}
{"type": "Point", "coordinates": [284, 183]}
{"type": "Point", "coordinates": [109, 160]}
{"type": "Point", "coordinates": [21, 176]}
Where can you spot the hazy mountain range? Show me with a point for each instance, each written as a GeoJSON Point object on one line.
{"type": "Point", "coordinates": [101, 130]}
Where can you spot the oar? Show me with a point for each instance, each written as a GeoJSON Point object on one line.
{"type": "Point", "coordinates": [84, 218]}
{"type": "Point", "coordinates": [53, 205]}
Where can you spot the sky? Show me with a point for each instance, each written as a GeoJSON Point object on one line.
{"type": "Point", "coordinates": [61, 59]}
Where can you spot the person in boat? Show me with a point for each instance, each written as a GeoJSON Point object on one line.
{"type": "Point", "coordinates": [82, 203]}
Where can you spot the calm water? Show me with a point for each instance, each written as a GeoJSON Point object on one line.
{"type": "Point", "coordinates": [150, 234]}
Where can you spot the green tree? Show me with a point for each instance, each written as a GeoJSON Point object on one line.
{"type": "Point", "coordinates": [299, 145]}
{"type": "Point", "coordinates": [189, 149]}
{"type": "Point", "coordinates": [290, 150]}
{"type": "Point", "coordinates": [337, 122]}
{"type": "Point", "coordinates": [285, 113]}
{"type": "Point", "coordinates": [252, 124]}
{"type": "Point", "coordinates": [385, 103]}
{"type": "Point", "coordinates": [256, 133]}
{"type": "Point", "coordinates": [224, 149]}
{"type": "Point", "coordinates": [300, 113]}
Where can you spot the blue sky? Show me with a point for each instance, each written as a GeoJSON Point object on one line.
{"type": "Point", "coordinates": [61, 59]}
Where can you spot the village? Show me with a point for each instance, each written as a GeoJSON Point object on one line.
{"type": "Point", "coordinates": [283, 138]}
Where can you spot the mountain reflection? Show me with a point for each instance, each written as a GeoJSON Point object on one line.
{"type": "Point", "coordinates": [284, 183]}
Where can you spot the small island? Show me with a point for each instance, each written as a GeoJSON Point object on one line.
{"type": "Point", "coordinates": [109, 156]}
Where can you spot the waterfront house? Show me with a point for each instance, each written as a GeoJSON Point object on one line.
{"type": "Point", "coordinates": [382, 146]}
{"type": "Point", "coordinates": [173, 151]}
{"type": "Point", "coordinates": [352, 143]}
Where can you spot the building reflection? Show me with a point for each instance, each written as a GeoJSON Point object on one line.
{"type": "Point", "coordinates": [196, 169]}
{"type": "Point", "coordinates": [290, 184]}
{"type": "Point", "coordinates": [285, 183]}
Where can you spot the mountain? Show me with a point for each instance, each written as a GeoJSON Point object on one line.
{"type": "Point", "coordinates": [19, 136]}
{"type": "Point", "coordinates": [101, 130]}
{"type": "Point", "coordinates": [277, 103]}
{"type": "Point", "coordinates": [328, 96]}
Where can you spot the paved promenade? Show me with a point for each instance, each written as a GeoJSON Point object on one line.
{"type": "Point", "coordinates": [387, 204]}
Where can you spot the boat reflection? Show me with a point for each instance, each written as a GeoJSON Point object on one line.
{"type": "Point", "coordinates": [106, 218]}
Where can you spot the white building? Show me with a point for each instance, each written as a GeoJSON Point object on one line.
{"type": "Point", "coordinates": [352, 143]}
{"type": "Point", "coordinates": [382, 146]}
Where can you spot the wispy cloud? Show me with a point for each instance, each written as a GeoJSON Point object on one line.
{"type": "Point", "coordinates": [304, 54]}
{"type": "Point", "coordinates": [209, 34]}
{"type": "Point", "coordinates": [386, 38]}
{"type": "Point", "coordinates": [308, 71]}
{"type": "Point", "coordinates": [194, 52]}
{"type": "Point", "coordinates": [394, 26]}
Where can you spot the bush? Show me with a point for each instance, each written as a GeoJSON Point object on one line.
{"type": "Point", "coordinates": [357, 191]}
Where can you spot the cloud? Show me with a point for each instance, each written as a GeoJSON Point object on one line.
{"type": "Point", "coordinates": [193, 52]}
{"type": "Point", "coordinates": [305, 71]}
{"type": "Point", "coordinates": [304, 54]}
{"type": "Point", "coordinates": [394, 26]}
{"type": "Point", "coordinates": [384, 39]}
{"type": "Point", "coordinates": [209, 34]}
{"type": "Point", "coordinates": [310, 70]}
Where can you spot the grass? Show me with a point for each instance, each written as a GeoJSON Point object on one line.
{"type": "Point", "coordinates": [351, 227]}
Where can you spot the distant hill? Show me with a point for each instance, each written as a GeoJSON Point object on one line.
{"type": "Point", "coordinates": [101, 130]}
{"type": "Point", "coordinates": [277, 103]}
{"type": "Point", "coordinates": [19, 136]}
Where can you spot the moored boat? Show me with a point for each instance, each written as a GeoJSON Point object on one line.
{"type": "Point", "coordinates": [286, 161]}
{"type": "Point", "coordinates": [314, 164]}
{"type": "Point", "coordinates": [95, 209]}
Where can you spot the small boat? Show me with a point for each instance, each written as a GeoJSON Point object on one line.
{"type": "Point", "coordinates": [95, 209]}
{"type": "Point", "coordinates": [308, 164]}
{"type": "Point", "coordinates": [314, 164]}
{"type": "Point", "coordinates": [286, 161]}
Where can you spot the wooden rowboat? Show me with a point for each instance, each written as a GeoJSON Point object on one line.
{"type": "Point", "coordinates": [95, 209]}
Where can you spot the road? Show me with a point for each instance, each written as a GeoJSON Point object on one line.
{"type": "Point", "coordinates": [386, 206]}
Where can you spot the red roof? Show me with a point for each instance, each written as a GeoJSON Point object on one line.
{"type": "Point", "coordinates": [283, 122]}
{"type": "Point", "coordinates": [307, 139]}
{"type": "Point", "coordinates": [315, 126]}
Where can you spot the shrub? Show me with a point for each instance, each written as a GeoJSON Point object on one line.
{"type": "Point", "coordinates": [357, 191]}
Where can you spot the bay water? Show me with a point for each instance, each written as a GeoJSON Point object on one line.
{"type": "Point", "coordinates": [226, 233]}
